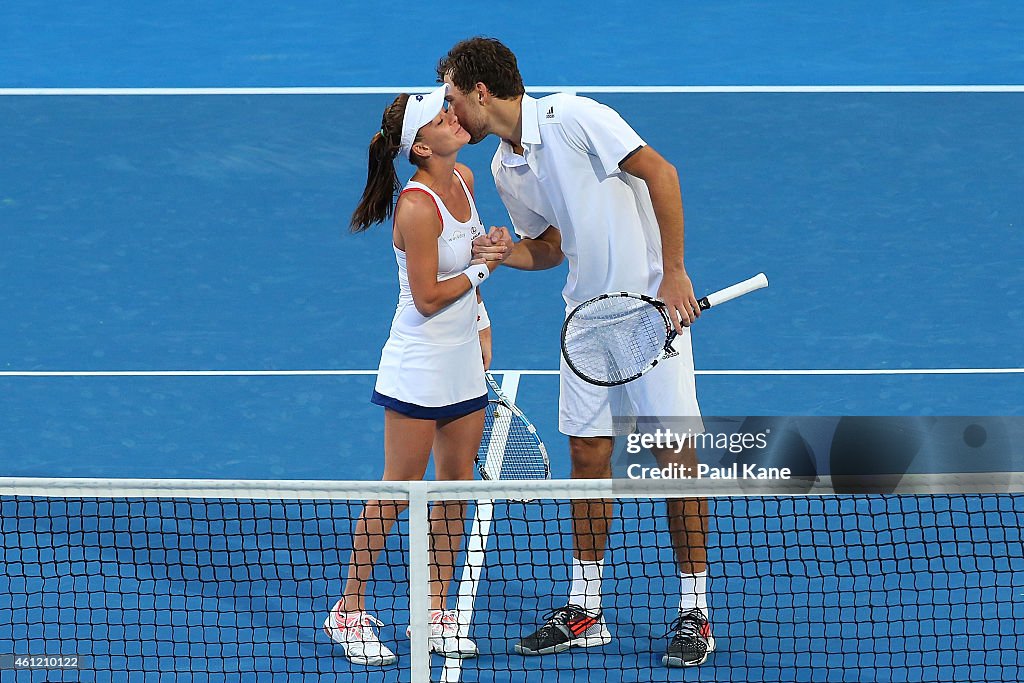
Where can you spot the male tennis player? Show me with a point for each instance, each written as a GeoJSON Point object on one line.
{"type": "Point", "coordinates": [578, 181]}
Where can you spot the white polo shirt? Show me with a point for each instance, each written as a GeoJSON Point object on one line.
{"type": "Point", "coordinates": [568, 176]}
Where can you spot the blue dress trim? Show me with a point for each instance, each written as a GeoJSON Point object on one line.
{"type": "Point", "coordinates": [430, 412]}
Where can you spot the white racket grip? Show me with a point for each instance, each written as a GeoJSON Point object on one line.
{"type": "Point", "coordinates": [739, 289]}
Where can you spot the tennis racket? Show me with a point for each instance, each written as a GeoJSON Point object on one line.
{"type": "Point", "coordinates": [511, 447]}
{"type": "Point", "coordinates": [615, 338]}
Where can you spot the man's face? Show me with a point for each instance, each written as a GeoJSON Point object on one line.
{"type": "Point", "coordinates": [472, 116]}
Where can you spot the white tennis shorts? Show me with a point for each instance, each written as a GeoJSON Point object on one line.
{"type": "Point", "coordinates": [668, 391]}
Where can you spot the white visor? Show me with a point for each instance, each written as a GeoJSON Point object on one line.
{"type": "Point", "coordinates": [419, 111]}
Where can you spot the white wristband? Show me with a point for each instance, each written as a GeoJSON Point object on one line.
{"type": "Point", "coordinates": [477, 274]}
{"type": "Point", "coordinates": [482, 321]}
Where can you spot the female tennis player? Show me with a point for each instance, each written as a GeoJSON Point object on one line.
{"type": "Point", "coordinates": [431, 375]}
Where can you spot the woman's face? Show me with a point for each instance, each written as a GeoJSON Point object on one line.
{"type": "Point", "coordinates": [443, 134]}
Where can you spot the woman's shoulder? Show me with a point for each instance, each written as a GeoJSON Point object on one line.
{"type": "Point", "coordinates": [466, 174]}
{"type": "Point", "coordinates": [417, 207]}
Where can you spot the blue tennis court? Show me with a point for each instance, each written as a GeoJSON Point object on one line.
{"type": "Point", "coordinates": [181, 298]}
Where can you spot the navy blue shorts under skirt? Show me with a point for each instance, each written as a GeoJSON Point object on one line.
{"type": "Point", "coordinates": [430, 412]}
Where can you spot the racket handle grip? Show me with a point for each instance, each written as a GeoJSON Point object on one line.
{"type": "Point", "coordinates": [739, 289]}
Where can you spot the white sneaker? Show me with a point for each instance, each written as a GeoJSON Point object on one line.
{"type": "Point", "coordinates": [446, 637]}
{"type": "Point", "coordinates": [354, 632]}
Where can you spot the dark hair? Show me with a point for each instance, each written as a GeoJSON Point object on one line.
{"type": "Point", "coordinates": [378, 201]}
{"type": "Point", "coordinates": [482, 60]}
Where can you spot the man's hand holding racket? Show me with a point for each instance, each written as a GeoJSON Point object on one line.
{"type": "Point", "coordinates": [676, 292]}
{"type": "Point", "coordinates": [617, 337]}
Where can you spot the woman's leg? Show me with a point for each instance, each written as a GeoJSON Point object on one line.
{"type": "Point", "coordinates": [455, 447]}
{"type": "Point", "coordinates": [407, 443]}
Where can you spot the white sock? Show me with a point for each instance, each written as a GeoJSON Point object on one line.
{"type": "Point", "coordinates": [586, 584]}
{"type": "Point", "coordinates": [693, 592]}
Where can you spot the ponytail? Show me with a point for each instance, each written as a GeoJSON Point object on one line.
{"type": "Point", "coordinates": [378, 201]}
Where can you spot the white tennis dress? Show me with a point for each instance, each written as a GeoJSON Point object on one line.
{"type": "Point", "coordinates": [431, 366]}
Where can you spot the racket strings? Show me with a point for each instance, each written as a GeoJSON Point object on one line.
{"type": "Point", "coordinates": [510, 448]}
{"type": "Point", "coordinates": [615, 338]}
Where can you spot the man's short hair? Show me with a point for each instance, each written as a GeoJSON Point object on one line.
{"type": "Point", "coordinates": [482, 60]}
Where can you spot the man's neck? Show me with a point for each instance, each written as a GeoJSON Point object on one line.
{"type": "Point", "coordinates": [508, 122]}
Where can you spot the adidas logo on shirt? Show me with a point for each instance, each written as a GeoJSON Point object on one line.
{"type": "Point", "coordinates": [550, 114]}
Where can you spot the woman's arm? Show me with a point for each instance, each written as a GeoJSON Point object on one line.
{"type": "Point", "coordinates": [418, 226]}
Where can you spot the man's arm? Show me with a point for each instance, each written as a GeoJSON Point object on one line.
{"type": "Point", "coordinates": [539, 253]}
{"type": "Point", "coordinates": [663, 183]}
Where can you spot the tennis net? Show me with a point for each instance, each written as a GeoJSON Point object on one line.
{"type": "Point", "coordinates": [110, 580]}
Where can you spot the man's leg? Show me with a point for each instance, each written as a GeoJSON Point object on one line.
{"type": "Point", "coordinates": [687, 526]}
{"type": "Point", "coordinates": [580, 623]}
{"type": "Point", "coordinates": [687, 523]}
{"type": "Point", "coordinates": [591, 459]}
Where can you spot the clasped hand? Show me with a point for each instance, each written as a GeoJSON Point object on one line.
{"type": "Point", "coordinates": [492, 248]}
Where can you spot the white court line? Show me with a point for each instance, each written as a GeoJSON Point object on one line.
{"type": "Point", "coordinates": [472, 572]}
{"type": "Point", "coordinates": [314, 373]}
{"type": "Point", "coordinates": [624, 89]}
{"type": "Point", "coordinates": [184, 373]}
{"type": "Point", "coordinates": [902, 371]}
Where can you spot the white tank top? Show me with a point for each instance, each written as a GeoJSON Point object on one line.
{"type": "Point", "coordinates": [455, 323]}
